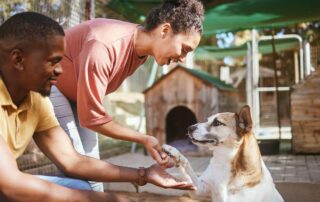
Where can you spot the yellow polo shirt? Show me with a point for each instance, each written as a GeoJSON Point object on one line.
{"type": "Point", "coordinates": [18, 124]}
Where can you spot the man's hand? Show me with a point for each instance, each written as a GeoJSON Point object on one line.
{"type": "Point", "coordinates": [155, 151]}
{"type": "Point", "coordinates": [159, 177]}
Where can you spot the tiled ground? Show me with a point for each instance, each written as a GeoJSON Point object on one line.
{"type": "Point", "coordinates": [294, 168]}
{"type": "Point", "coordinates": [285, 168]}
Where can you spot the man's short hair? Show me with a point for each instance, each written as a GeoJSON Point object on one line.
{"type": "Point", "coordinates": [29, 27]}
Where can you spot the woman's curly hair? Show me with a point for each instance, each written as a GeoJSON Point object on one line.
{"type": "Point", "coordinates": [183, 15]}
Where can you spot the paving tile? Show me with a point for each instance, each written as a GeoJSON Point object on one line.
{"type": "Point", "coordinates": [283, 168]}
{"type": "Point", "coordinates": [315, 178]}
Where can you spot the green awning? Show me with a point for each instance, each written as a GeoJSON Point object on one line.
{"type": "Point", "coordinates": [232, 15]}
{"type": "Point", "coordinates": [265, 47]}
{"type": "Point", "coordinates": [247, 14]}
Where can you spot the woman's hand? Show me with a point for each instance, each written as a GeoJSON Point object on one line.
{"type": "Point", "coordinates": [152, 146]}
{"type": "Point", "coordinates": [158, 176]}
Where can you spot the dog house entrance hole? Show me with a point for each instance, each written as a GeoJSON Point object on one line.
{"type": "Point", "coordinates": [177, 121]}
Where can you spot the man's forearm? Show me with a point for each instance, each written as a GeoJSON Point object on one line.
{"type": "Point", "coordinates": [24, 187]}
{"type": "Point", "coordinates": [100, 171]}
{"type": "Point", "coordinates": [114, 130]}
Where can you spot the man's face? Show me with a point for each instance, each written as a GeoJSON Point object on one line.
{"type": "Point", "coordinates": [42, 65]}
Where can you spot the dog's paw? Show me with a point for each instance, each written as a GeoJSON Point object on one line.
{"type": "Point", "coordinates": [179, 159]}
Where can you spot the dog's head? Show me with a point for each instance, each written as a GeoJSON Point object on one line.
{"type": "Point", "coordinates": [222, 129]}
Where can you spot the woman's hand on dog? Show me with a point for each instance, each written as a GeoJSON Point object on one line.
{"type": "Point", "coordinates": [152, 146]}
{"type": "Point", "coordinates": [158, 176]}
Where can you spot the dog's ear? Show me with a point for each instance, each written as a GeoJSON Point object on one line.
{"type": "Point", "coordinates": [244, 121]}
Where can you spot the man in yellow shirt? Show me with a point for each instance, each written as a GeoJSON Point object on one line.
{"type": "Point", "coordinates": [31, 47]}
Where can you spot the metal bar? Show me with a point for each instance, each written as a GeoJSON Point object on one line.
{"type": "Point", "coordinates": [317, 53]}
{"type": "Point", "coordinates": [307, 59]}
{"type": "Point", "coordinates": [88, 10]}
{"type": "Point", "coordinates": [296, 67]}
{"type": "Point", "coordinates": [290, 36]}
{"type": "Point", "coordinates": [276, 82]}
{"type": "Point", "coordinates": [273, 89]}
{"type": "Point", "coordinates": [249, 76]}
{"type": "Point", "coordinates": [255, 79]}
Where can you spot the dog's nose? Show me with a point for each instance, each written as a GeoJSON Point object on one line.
{"type": "Point", "coordinates": [191, 128]}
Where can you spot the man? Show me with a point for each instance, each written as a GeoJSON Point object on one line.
{"type": "Point", "coordinates": [31, 47]}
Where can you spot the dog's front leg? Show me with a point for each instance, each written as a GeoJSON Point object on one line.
{"type": "Point", "coordinates": [182, 163]}
{"type": "Point", "coordinates": [187, 171]}
{"type": "Point", "coordinates": [219, 194]}
{"type": "Point", "coordinates": [203, 188]}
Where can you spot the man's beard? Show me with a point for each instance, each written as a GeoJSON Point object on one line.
{"type": "Point", "coordinates": [45, 92]}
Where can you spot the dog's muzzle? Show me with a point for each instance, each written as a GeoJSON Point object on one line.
{"type": "Point", "coordinates": [212, 140]}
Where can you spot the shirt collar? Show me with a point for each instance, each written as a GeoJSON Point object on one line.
{"type": "Point", "coordinates": [5, 98]}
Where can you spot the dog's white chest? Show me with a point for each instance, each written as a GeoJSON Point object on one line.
{"type": "Point", "coordinates": [218, 173]}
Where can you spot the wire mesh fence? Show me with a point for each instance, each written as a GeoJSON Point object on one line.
{"type": "Point", "coordinates": [67, 13]}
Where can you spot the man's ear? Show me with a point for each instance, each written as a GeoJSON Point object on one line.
{"type": "Point", "coordinates": [244, 121]}
{"type": "Point", "coordinates": [165, 28]}
{"type": "Point", "coordinates": [16, 56]}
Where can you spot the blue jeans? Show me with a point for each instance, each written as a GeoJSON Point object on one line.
{"type": "Point", "coordinates": [67, 182]}
{"type": "Point", "coordinates": [85, 141]}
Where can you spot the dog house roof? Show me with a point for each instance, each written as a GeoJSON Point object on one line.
{"type": "Point", "coordinates": [204, 76]}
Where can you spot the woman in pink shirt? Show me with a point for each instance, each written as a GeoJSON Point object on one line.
{"type": "Point", "coordinates": [101, 53]}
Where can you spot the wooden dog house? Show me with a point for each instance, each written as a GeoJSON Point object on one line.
{"type": "Point", "coordinates": [183, 97]}
{"type": "Point", "coordinates": [305, 115]}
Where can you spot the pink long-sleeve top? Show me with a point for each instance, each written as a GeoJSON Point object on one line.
{"type": "Point", "coordinates": [99, 55]}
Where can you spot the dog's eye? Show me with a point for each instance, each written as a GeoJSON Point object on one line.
{"type": "Point", "coordinates": [216, 123]}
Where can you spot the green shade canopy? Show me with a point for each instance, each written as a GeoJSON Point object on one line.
{"type": "Point", "coordinates": [232, 15]}
{"type": "Point", "coordinates": [247, 14]}
{"type": "Point", "coordinates": [265, 47]}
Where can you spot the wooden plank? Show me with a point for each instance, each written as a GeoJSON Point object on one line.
{"type": "Point", "coordinates": [303, 111]}
{"type": "Point", "coordinates": [305, 118]}
{"type": "Point", "coordinates": [308, 124]}
{"type": "Point", "coordinates": [301, 100]}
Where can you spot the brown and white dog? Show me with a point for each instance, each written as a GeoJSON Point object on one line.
{"type": "Point", "coordinates": [236, 172]}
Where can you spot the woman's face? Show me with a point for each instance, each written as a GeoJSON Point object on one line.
{"type": "Point", "coordinates": [169, 47]}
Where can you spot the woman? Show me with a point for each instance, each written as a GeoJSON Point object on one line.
{"type": "Point", "coordinates": [101, 53]}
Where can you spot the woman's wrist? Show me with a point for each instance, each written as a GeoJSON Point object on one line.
{"type": "Point", "coordinates": [144, 139]}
